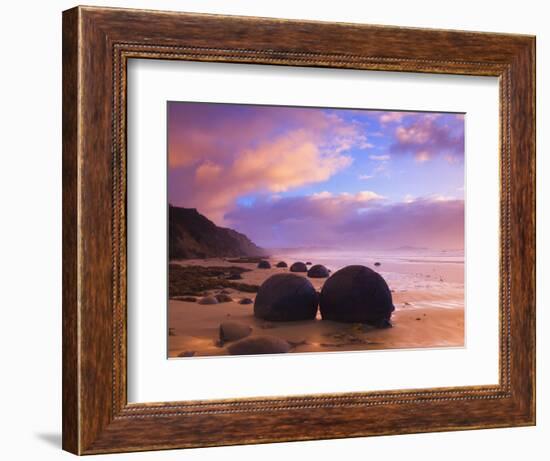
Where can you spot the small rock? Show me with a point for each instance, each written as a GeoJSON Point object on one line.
{"type": "Point", "coordinates": [281, 264]}
{"type": "Point", "coordinates": [225, 291]}
{"type": "Point", "coordinates": [186, 354]}
{"type": "Point", "coordinates": [208, 300]}
{"type": "Point", "coordinates": [377, 264]}
{"type": "Point", "coordinates": [259, 345]}
{"type": "Point", "coordinates": [171, 332]}
{"type": "Point", "coordinates": [234, 277]}
{"type": "Point", "coordinates": [295, 344]}
{"type": "Point", "coordinates": [298, 267]}
{"type": "Point", "coordinates": [308, 263]}
{"type": "Point", "coordinates": [189, 299]}
{"type": "Point", "coordinates": [263, 264]}
{"type": "Point", "coordinates": [246, 301]}
{"type": "Point", "coordinates": [223, 298]}
{"type": "Point", "coordinates": [231, 331]}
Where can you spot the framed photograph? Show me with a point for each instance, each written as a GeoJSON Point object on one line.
{"type": "Point", "coordinates": [280, 230]}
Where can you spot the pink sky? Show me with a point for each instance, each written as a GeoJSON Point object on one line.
{"type": "Point", "coordinates": [289, 176]}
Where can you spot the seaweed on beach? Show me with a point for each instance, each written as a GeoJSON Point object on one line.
{"type": "Point", "coordinates": [247, 259]}
{"type": "Point", "coordinates": [197, 280]}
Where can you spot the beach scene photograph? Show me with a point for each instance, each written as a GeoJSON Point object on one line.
{"type": "Point", "coordinates": [313, 230]}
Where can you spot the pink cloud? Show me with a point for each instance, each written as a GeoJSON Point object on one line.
{"type": "Point", "coordinates": [362, 221]}
{"type": "Point", "coordinates": [207, 172]}
{"type": "Point", "coordinates": [431, 135]}
{"type": "Point", "coordinates": [389, 117]}
{"type": "Point", "coordinates": [288, 161]}
{"type": "Point", "coordinates": [426, 222]}
{"type": "Point", "coordinates": [219, 154]}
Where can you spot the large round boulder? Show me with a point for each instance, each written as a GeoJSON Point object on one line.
{"type": "Point", "coordinates": [318, 271]}
{"type": "Point", "coordinates": [263, 264]}
{"type": "Point", "coordinates": [281, 264]}
{"type": "Point", "coordinates": [286, 297]}
{"type": "Point", "coordinates": [298, 267]}
{"type": "Point", "coordinates": [356, 294]}
{"type": "Point", "coordinates": [259, 345]}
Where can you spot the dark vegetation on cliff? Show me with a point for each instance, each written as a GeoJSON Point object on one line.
{"type": "Point", "coordinates": [192, 235]}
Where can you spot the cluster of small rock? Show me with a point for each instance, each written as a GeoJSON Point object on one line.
{"type": "Point", "coordinates": [316, 271]}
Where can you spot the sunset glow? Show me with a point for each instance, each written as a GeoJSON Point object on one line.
{"type": "Point", "coordinates": [292, 177]}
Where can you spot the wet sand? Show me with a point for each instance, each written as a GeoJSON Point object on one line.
{"type": "Point", "coordinates": [429, 313]}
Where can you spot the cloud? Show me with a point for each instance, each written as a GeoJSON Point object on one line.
{"type": "Point", "coordinates": [381, 167]}
{"type": "Point", "coordinates": [361, 221]}
{"type": "Point", "coordinates": [320, 206]}
{"type": "Point", "coordinates": [431, 135]}
{"type": "Point", "coordinates": [219, 152]}
{"type": "Point", "coordinates": [207, 172]}
{"type": "Point", "coordinates": [343, 198]}
{"type": "Point", "coordinates": [409, 198]}
{"type": "Point", "coordinates": [379, 157]}
{"type": "Point", "coordinates": [424, 222]}
{"type": "Point", "coordinates": [390, 117]}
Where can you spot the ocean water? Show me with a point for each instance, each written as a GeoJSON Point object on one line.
{"type": "Point", "coordinates": [437, 276]}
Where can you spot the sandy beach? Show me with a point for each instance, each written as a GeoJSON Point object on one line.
{"type": "Point", "coordinates": [427, 291]}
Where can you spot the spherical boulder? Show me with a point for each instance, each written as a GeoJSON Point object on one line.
{"type": "Point", "coordinates": [356, 294]}
{"type": "Point", "coordinates": [263, 264]}
{"type": "Point", "coordinates": [259, 345]}
{"type": "Point", "coordinates": [281, 264]}
{"type": "Point", "coordinates": [298, 267]}
{"type": "Point", "coordinates": [377, 264]}
{"type": "Point", "coordinates": [286, 297]}
{"type": "Point", "coordinates": [318, 271]}
{"type": "Point", "coordinates": [231, 331]}
{"type": "Point", "coordinates": [208, 300]}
